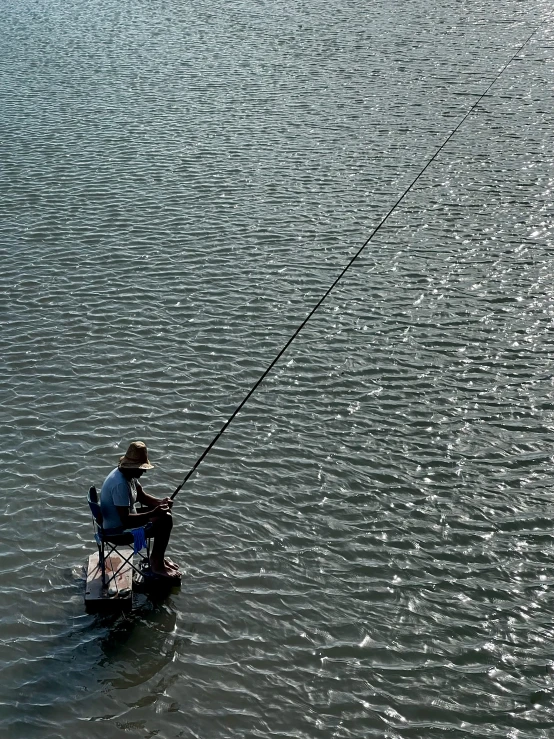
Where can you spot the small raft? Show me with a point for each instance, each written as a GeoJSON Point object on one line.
{"type": "Point", "coordinates": [117, 595]}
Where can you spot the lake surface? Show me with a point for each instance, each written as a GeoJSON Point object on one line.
{"type": "Point", "coordinates": [369, 547]}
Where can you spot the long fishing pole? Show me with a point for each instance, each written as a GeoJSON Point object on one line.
{"type": "Point", "coordinates": [345, 269]}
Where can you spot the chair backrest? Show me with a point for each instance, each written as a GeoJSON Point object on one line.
{"type": "Point", "coordinates": [95, 505]}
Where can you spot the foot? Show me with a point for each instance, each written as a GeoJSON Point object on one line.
{"type": "Point", "coordinates": [164, 571]}
{"type": "Point", "coordinates": [171, 565]}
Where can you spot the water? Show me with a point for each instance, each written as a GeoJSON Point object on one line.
{"type": "Point", "coordinates": [368, 547]}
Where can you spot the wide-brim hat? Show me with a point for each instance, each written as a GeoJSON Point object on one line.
{"type": "Point", "coordinates": [136, 457]}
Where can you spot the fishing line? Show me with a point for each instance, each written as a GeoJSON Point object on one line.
{"type": "Point", "coordinates": [350, 263]}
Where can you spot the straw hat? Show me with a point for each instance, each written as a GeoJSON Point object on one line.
{"type": "Point", "coordinates": [136, 457]}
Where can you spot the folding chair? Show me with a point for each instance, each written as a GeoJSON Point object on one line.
{"type": "Point", "coordinates": [108, 545]}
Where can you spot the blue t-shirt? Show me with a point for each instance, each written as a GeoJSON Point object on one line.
{"type": "Point", "coordinates": [116, 491]}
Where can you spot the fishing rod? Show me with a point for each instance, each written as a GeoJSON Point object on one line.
{"type": "Point", "coordinates": [346, 268]}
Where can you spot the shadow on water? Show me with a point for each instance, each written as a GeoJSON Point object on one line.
{"type": "Point", "coordinates": [134, 646]}
{"type": "Point", "coordinates": [88, 659]}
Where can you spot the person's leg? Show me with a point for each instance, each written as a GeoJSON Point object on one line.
{"type": "Point", "coordinates": [161, 532]}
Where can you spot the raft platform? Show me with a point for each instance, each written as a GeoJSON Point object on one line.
{"type": "Point", "coordinates": [118, 596]}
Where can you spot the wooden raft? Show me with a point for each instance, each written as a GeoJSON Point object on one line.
{"type": "Point", "coordinates": [118, 596]}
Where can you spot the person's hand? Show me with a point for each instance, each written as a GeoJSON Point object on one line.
{"type": "Point", "coordinates": [160, 509]}
{"type": "Point", "coordinates": [168, 502]}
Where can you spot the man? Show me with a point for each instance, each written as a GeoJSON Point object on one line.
{"type": "Point", "coordinates": [121, 491]}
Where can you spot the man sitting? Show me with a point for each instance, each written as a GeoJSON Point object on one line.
{"type": "Point", "coordinates": [121, 491]}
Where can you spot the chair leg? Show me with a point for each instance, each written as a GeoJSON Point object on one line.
{"type": "Point", "coordinates": [112, 550]}
{"type": "Point", "coordinates": [102, 558]}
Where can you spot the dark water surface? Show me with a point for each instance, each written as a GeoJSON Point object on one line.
{"type": "Point", "coordinates": [369, 547]}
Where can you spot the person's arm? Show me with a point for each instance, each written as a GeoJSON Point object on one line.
{"type": "Point", "coordinates": [149, 500]}
{"type": "Point", "coordinates": [121, 500]}
{"type": "Point", "coordinates": [133, 520]}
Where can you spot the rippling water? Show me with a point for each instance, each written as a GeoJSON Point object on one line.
{"type": "Point", "coordinates": [368, 548]}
